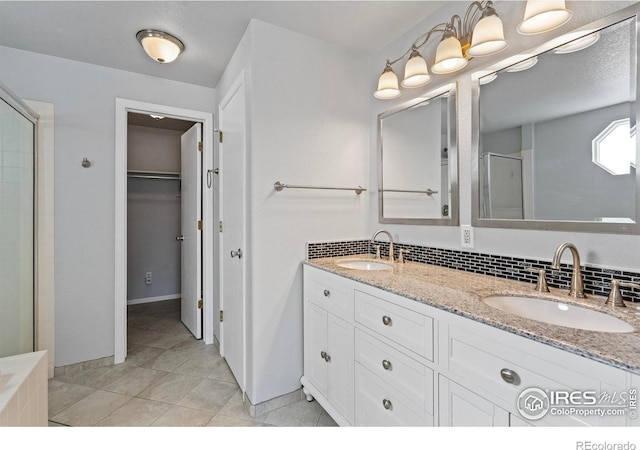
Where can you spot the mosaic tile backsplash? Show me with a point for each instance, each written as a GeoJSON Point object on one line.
{"type": "Point", "coordinates": [597, 280]}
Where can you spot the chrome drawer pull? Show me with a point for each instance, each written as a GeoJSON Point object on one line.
{"type": "Point", "coordinates": [510, 376]}
{"type": "Point", "coordinates": [327, 293]}
{"type": "Point", "coordinates": [387, 404]}
{"type": "Point", "coordinates": [386, 364]}
{"type": "Point", "coordinates": [386, 320]}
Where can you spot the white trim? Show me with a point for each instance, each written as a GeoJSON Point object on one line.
{"type": "Point", "coordinates": [124, 106]}
{"type": "Point", "coordinates": [160, 298]}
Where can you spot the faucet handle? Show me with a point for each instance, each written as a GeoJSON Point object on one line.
{"type": "Point", "coordinates": [541, 285]}
{"type": "Point", "coordinates": [401, 253]}
{"type": "Point", "coordinates": [615, 296]}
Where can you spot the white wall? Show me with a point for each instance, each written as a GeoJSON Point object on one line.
{"type": "Point", "coordinates": [84, 98]}
{"type": "Point", "coordinates": [308, 125]}
{"type": "Point", "coordinates": [602, 249]}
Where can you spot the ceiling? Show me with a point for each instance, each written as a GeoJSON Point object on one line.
{"type": "Point", "coordinates": [103, 32]}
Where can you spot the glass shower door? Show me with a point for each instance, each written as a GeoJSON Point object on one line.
{"type": "Point", "coordinates": [17, 143]}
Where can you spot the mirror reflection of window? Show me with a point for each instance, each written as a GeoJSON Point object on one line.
{"type": "Point", "coordinates": [554, 113]}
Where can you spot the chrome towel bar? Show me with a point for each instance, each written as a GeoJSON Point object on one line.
{"type": "Point", "coordinates": [429, 192]}
{"type": "Point", "coordinates": [278, 186]}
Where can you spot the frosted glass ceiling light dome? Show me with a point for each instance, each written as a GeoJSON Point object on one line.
{"type": "Point", "coordinates": [542, 16]}
{"type": "Point", "coordinates": [160, 46]}
{"type": "Point", "coordinates": [415, 71]}
{"type": "Point", "coordinates": [488, 35]}
{"type": "Point", "coordinates": [449, 56]}
{"type": "Point", "coordinates": [578, 44]}
{"type": "Point", "coordinates": [387, 84]}
{"type": "Point", "coordinates": [523, 65]}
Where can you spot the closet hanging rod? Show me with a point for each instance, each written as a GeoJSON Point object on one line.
{"type": "Point", "coordinates": [429, 192]}
{"type": "Point", "coordinates": [153, 175]}
{"type": "Point", "coordinates": [278, 186]}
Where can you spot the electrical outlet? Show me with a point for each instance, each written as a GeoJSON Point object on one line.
{"type": "Point", "coordinates": [466, 236]}
{"type": "Point", "coordinates": [147, 278]}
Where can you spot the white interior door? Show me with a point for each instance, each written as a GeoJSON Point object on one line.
{"type": "Point", "coordinates": [191, 202]}
{"type": "Point", "coordinates": [232, 238]}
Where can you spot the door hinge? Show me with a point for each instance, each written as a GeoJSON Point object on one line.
{"type": "Point", "coordinates": [200, 225]}
{"type": "Point", "coordinates": [221, 316]}
{"type": "Point", "coordinates": [200, 146]}
{"type": "Point", "coordinates": [220, 226]}
{"type": "Point", "coordinates": [220, 136]}
{"type": "Point", "coordinates": [200, 304]}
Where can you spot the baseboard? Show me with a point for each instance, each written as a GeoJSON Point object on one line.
{"type": "Point", "coordinates": [137, 301]}
{"type": "Point", "coordinates": [274, 403]}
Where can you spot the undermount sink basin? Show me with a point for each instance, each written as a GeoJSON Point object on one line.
{"type": "Point", "coordinates": [364, 265]}
{"type": "Point", "coordinates": [556, 313]}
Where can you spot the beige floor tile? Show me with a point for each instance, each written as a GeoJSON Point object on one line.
{"type": "Point", "coordinates": [206, 365]}
{"type": "Point", "coordinates": [98, 376]}
{"type": "Point", "coordinates": [325, 420]}
{"type": "Point", "coordinates": [63, 395]}
{"type": "Point", "coordinates": [135, 381]}
{"type": "Point", "coordinates": [141, 354]}
{"type": "Point", "coordinates": [171, 388]}
{"type": "Point", "coordinates": [177, 416]}
{"type": "Point", "coordinates": [235, 407]}
{"type": "Point", "coordinates": [137, 412]}
{"type": "Point", "coordinates": [91, 409]}
{"type": "Point", "coordinates": [299, 414]}
{"type": "Point", "coordinates": [220, 420]}
{"type": "Point", "coordinates": [190, 346]}
{"type": "Point", "coordinates": [209, 395]}
{"type": "Point", "coordinates": [168, 360]}
{"type": "Point", "coordinates": [166, 340]}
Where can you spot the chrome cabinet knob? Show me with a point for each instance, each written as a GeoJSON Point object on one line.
{"type": "Point", "coordinates": [327, 293]}
{"type": "Point", "coordinates": [510, 376]}
{"type": "Point", "coordinates": [324, 355]}
{"type": "Point", "coordinates": [386, 364]}
{"type": "Point", "coordinates": [386, 320]}
{"type": "Point", "coordinates": [237, 253]}
{"type": "Point", "coordinates": [387, 404]}
{"type": "Point", "coordinates": [180, 238]}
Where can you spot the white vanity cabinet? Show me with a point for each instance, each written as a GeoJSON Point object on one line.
{"type": "Point", "coordinates": [328, 343]}
{"type": "Point", "coordinates": [374, 358]}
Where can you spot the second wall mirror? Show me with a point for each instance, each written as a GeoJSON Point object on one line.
{"type": "Point", "coordinates": [417, 162]}
{"type": "Point", "coordinates": [555, 134]}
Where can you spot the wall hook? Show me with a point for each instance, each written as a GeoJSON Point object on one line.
{"type": "Point", "coordinates": [86, 163]}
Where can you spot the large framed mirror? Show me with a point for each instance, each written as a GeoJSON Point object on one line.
{"type": "Point", "coordinates": [418, 161]}
{"type": "Point", "coordinates": [554, 134]}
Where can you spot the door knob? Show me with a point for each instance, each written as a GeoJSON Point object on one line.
{"type": "Point", "coordinates": [237, 253]}
{"type": "Point", "coordinates": [180, 238]}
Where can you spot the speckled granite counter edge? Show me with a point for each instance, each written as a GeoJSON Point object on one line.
{"type": "Point", "coordinates": [621, 350]}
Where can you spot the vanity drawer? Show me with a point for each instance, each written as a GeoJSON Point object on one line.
{"type": "Point", "coordinates": [378, 404]}
{"type": "Point", "coordinates": [480, 361]}
{"type": "Point", "coordinates": [333, 293]}
{"type": "Point", "coordinates": [411, 379]}
{"type": "Point", "coordinates": [403, 326]}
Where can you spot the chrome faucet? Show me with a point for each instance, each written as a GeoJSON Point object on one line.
{"type": "Point", "coordinates": [577, 288]}
{"type": "Point", "coordinates": [375, 235]}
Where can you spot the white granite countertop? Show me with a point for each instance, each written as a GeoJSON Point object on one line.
{"type": "Point", "coordinates": [461, 293]}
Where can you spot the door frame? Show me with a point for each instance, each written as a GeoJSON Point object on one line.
{"type": "Point", "coordinates": [123, 107]}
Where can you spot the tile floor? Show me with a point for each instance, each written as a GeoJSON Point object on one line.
{"type": "Point", "coordinates": [168, 379]}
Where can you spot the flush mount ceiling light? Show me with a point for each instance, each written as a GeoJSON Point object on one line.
{"type": "Point", "coordinates": [542, 16]}
{"type": "Point", "coordinates": [155, 117]}
{"type": "Point", "coordinates": [160, 46]}
{"type": "Point", "coordinates": [479, 33]}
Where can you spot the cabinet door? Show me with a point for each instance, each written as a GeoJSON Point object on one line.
{"type": "Point", "coordinates": [317, 345]}
{"type": "Point", "coordinates": [340, 365]}
{"type": "Point", "coordinates": [459, 407]}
